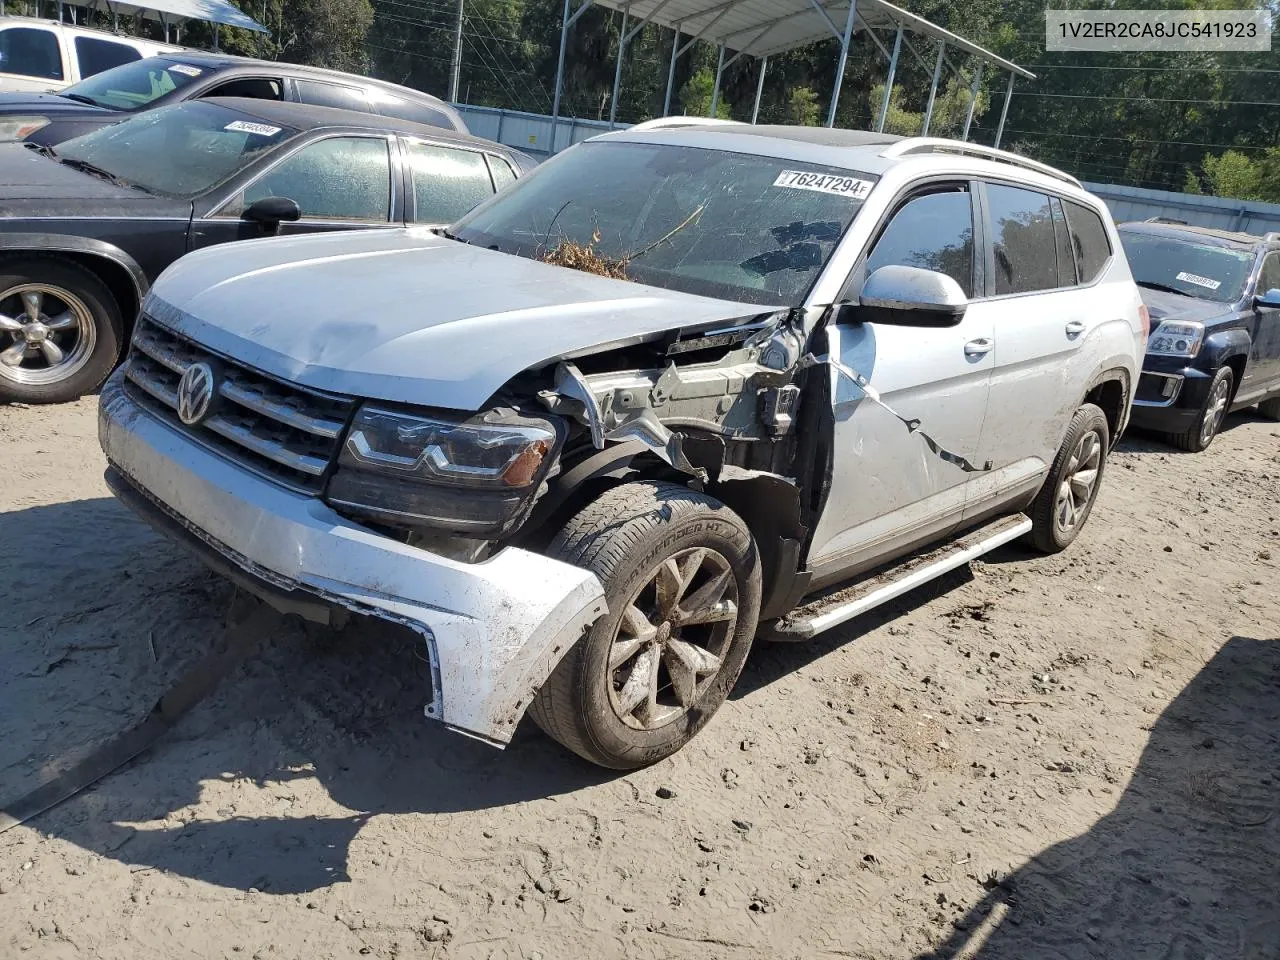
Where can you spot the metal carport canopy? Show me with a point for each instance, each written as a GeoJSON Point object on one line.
{"type": "Point", "coordinates": [760, 28]}
{"type": "Point", "coordinates": [176, 11]}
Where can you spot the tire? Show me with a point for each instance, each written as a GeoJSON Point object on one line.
{"type": "Point", "coordinates": [630, 537]}
{"type": "Point", "coordinates": [1270, 409]}
{"type": "Point", "coordinates": [1052, 529]}
{"type": "Point", "coordinates": [63, 361]}
{"type": "Point", "coordinates": [1212, 413]}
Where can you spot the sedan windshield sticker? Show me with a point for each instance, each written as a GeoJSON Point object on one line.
{"type": "Point", "coordinates": [184, 69]}
{"type": "Point", "coordinates": [244, 126]}
{"type": "Point", "coordinates": [1199, 281]}
{"type": "Point", "coordinates": [850, 187]}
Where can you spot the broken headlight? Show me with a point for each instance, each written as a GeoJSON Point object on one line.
{"type": "Point", "coordinates": [476, 476]}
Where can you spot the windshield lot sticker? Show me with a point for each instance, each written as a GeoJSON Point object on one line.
{"type": "Point", "coordinates": [185, 70]}
{"type": "Point", "coordinates": [850, 187]}
{"type": "Point", "coordinates": [1199, 281]}
{"type": "Point", "coordinates": [244, 126]}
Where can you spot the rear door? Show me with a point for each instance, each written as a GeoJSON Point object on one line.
{"type": "Point", "coordinates": [889, 488]}
{"type": "Point", "coordinates": [340, 182]}
{"type": "Point", "coordinates": [445, 181]}
{"type": "Point", "coordinates": [1044, 259]}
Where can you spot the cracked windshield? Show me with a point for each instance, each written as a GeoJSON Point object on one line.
{"type": "Point", "coordinates": [749, 228]}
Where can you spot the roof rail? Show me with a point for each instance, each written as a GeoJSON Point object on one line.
{"type": "Point", "coordinates": [662, 123]}
{"type": "Point", "coordinates": [1179, 223]}
{"type": "Point", "coordinates": [914, 145]}
{"type": "Point", "coordinates": [1271, 236]}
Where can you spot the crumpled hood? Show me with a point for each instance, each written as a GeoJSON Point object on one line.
{"type": "Point", "coordinates": [1164, 305]}
{"type": "Point", "coordinates": [405, 315]}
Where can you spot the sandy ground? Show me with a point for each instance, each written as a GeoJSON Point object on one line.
{"type": "Point", "coordinates": [1073, 756]}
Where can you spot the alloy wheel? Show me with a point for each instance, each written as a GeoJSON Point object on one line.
{"type": "Point", "coordinates": [1215, 411]}
{"type": "Point", "coordinates": [672, 638]}
{"type": "Point", "coordinates": [46, 333]}
{"type": "Point", "coordinates": [1079, 481]}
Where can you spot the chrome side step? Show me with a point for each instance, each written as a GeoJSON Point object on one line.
{"type": "Point", "coordinates": [833, 609]}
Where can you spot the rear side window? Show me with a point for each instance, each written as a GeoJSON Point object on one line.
{"type": "Point", "coordinates": [332, 95]}
{"type": "Point", "coordinates": [1088, 240]}
{"type": "Point", "coordinates": [30, 52]}
{"type": "Point", "coordinates": [402, 109]}
{"type": "Point", "coordinates": [1022, 236]}
{"type": "Point", "coordinates": [502, 172]}
{"type": "Point", "coordinates": [1269, 279]}
{"type": "Point", "coordinates": [934, 232]}
{"type": "Point", "coordinates": [96, 55]}
{"type": "Point", "coordinates": [446, 182]}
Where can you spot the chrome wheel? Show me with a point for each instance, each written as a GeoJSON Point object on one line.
{"type": "Point", "coordinates": [46, 333]}
{"type": "Point", "coordinates": [1215, 410]}
{"type": "Point", "coordinates": [672, 638]}
{"type": "Point", "coordinates": [1079, 481]}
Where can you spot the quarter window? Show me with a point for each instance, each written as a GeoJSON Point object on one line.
{"type": "Point", "coordinates": [503, 175]}
{"type": "Point", "coordinates": [1062, 241]}
{"type": "Point", "coordinates": [29, 52]}
{"type": "Point", "coordinates": [1269, 279]}
{"type": "Point", "coordinates": [934, 232]}
{"type": "Point", "coordinates": [1026, 257]}
{"type": "Point", "coordinates": [96, 55]}
{"type": "Point", "coordinates": [402, 109]}
{"type": "Point", "coordinates": [342, 178]}
{"type": "Point", "coordinates": [446, 182]}
{"type": "Point", "coordinates": [1088, 240]}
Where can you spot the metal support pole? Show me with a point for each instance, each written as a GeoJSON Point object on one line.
{"type": "Point", "coordinates": [215, 36]}
{"type": "Point", "coordinates": [755, 111]}
{"type": "Point", "coordinates": [671, 73]}
{"type": "Point", "coordinates": [888, 81]}
{"type": "Point", "coordinates": [715, 90]}
{"type": "Point", "coordinates": [455, 68]}
{"type": "Point", "coordinates": [617, 70]}
{"type": "Point", "coordinates": [844, 59]}
{"type": "Point", "coordinates": [933, 89]}
{"type": "Point", "coordinates": [1004, 111]}
{"type": "Point", "coordinates": [565, 24]}
{"type": "Point", "coordinates": [973, 101]}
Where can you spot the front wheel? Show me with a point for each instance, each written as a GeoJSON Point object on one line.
{"type": "Point", "coordinates": [1212, 413]}
{"type": "Point", "coordinates": [1067, 497]}
{"type": "Point", "coordinates": [681, 576]}
{"type": "Point", "coordinates": [60, 330]}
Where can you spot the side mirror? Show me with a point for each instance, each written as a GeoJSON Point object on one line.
{"type": "Point", "coordinates": [1269, 299]}
{"type": "Point", "coordinates": [271, 211]}
{"type": "Point", "coordinates": [910, 297]}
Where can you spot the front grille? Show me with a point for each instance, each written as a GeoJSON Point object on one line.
{"type": "Point", "coordinates": [280, 430]}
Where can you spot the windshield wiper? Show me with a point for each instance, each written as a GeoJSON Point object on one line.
{"type": "Point", "coordinates": [81, 98]}
{"type": "Point", "coordinates": [84, 165]}
{"type": "Point", "coordinates": [444, 232]}
{"type": "Point", "coordinates": [1163, 286]}
{"type": "Point", "coordinates": [41, 148]}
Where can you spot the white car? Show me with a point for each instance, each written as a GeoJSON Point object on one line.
{"type": "Point", "coordinates": [43, 55]}
{"type": "Point", "coordinates": [674, 388]}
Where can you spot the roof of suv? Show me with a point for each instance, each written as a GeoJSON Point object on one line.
{"type": "Point", "coordinates": [1186, 231]}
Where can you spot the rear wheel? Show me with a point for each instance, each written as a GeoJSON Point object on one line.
{"type": "Point", "coordinates": [1214, 411]}
{"type": "Point", "coordinates": [1066, 499]}
{"type": "Point", "coordinates": [682, 580]}
{"type": "Point", "coordinates": [60, 331]}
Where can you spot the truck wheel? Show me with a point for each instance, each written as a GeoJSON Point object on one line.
{"type": "Point", "coordinates": [1066, 499]}
{"type": "Point", "coordinates": [1270, 408]}
{"type": "Point", "coordinates": [1212, 414]}
{"type": "Point", "coordinates": [60, 330]}
{"type": "Point", "coordinates": [681, 576]}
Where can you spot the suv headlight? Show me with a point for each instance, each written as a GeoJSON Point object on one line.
{"type": "Point", "coordinates": [19, 128]}
{"type": "Point", "coordinates": [476, 476]}
{"type": "Point", "coordinates": [1176, 338]}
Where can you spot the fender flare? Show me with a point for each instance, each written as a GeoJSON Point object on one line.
{"type": "Point", "coordinates": [20, 243]}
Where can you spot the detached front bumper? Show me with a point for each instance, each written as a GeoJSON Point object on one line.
{"type": "Point", "coordinates": [494, 630]}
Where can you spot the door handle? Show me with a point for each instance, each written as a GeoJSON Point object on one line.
{"type": "Point", "coordinates": [978, 348]}
{"type": "Point", "coordinates": [1075, 328]}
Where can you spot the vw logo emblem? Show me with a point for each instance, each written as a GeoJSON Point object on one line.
{"type": "Point", "coordinates": [195, 393]}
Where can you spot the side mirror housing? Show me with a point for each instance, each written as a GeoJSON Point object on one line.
{"type": "Point", "coordinates": [1269, 299]}
{"type": "Point", "coordinates": [909, 297]}
{"type": "Point", "coordinates": [271, 211]}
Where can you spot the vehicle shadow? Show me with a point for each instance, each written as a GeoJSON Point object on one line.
{"type": "Point", "coordinates": [334, 715]}
{"type": "Point", "coordinates": [1141, 440]}
{"type": "Point", "coordinates": [1186, 866]}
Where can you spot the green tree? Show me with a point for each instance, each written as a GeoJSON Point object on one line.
{"type": "Point", "coordinates": [695, 96]}
{"type": "Point", "coordinates": [802, 107]}
{"type": "Point", "coordinates": [1232, 174]}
